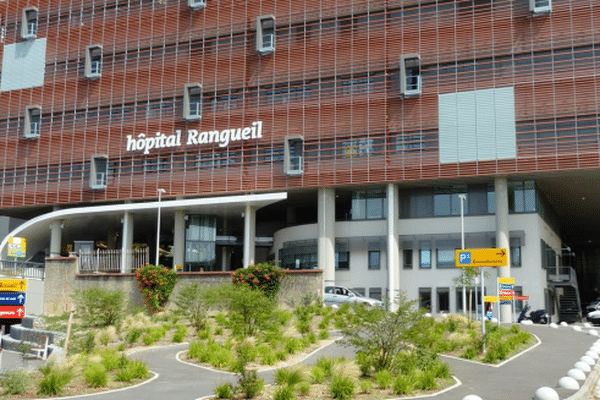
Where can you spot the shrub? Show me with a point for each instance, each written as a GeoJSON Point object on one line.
{"type": "Point", "coordinates": [95, 375]}
{"type": "Point", "coordinates": [54, 380]}
{"type": "Point", "coordinates": [318, 375]}
{"type": "Point", "coordinates": [250, 384]}
{"type": "Point", "coordinates": [224, 391]}
{"type": "Point", "coordinates": [304, 388]}
{"type": "Point", "coordinates": [156, 284]}
{"type": "Point", "coordinates": [403, 384]}
{"type": "Point", "coordinates": [100, 307]}
{"type": "Point", "coordinates": [364, 363]}
{"type": "Point", "coordinates": [342, 388]}
{"type": "Point", "coordinates": [88, 342]}
{"type": "Point", "coordinates": [265, 277]}
{"type": "Point", "coordinates": [288, 377]}
{"type": "Point", "coordinates": [138, 369]}
{"type": "Point", "coordinates": [324, 334]}
{"type": "Point", "coordinates": [111, 359]}
{"type": "Point", "coordinates": [267, 356]}
{"type": "Point", "coordinates": [384, 378]}
{"type": "Point", "coordinates": [426, 381]}
{"type": "Point", "coordinates": [293, 345]}
{"type": "Point", "coordinates": [191, 302]}
{"type": "Point", "coordinates": [284, 393]}
{"type": "Point", "coordinates": [15, 381]}
{"type": "Point", "coordinates": [153, 334]}
{"type": "Point", "coordinates": [326, 364]}
{"type": "Point", "coordinates": [366, 386]}
{"type": "Point", "coordinates": [180, 333]}
{"type": "Point", "coordinates": [134, 335]}
{"type": "Point", "coordinates": [281, 355]}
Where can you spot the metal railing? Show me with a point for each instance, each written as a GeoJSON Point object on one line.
{"type": "Point", "coordinates": [22, 269]}
{"type": "Point", "coordinates": [561, 274]}
{"type": "Point", "coordinates": [103, 261]}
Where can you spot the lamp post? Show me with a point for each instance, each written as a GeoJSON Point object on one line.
{"type": "Point", "coordinates": [462, 198]}
{"type": "Point", "coordinates": [160, 192]}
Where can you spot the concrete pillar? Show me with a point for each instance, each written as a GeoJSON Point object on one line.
{"type": "Point", "coordinates": [249, 235]}
{"type": "Point", "coordinates": [127, 242]}
{"type": "Point", "coordinates": [326, 235]}
{"type": "Point", "coordinates": [55, 238]}
{"type": "Point", "coordinates": [393, 252]}
{"type": "Point", "coordinates": [503, 235]}
{"type": "Point", "coordinates": [179, 240]}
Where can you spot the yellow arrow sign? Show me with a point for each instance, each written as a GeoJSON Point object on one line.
{"type": "Point", "coordinates": [506, 281]}
{"type": "Point", "coordinates": [490, 299]}
{"type": "Point", "coordinates": [13, 285]}
{"type": "Point", "coordinates": [481, 258]}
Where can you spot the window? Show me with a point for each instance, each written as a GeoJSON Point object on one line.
{"type": "Point", "coordinates": [265, 34]}
{"type": "Point", "coordinates": [197, 4]}
{"type": "Point", "coordinates": [540, 6]}
{"type": "Point", "coordinates": [515, 255]}
{"type": "Point", "coordinates": [521, 196]}
{"type": "Point", "coordinates": [410, 75]}
{"type": "Point", "coordinates": [425, 255]}
{"type": "Point", "coordinates": [359, 290]}
{"type": "Point", "coordinates": [30, 22]}
{"type": "Point", "coordinates": [443, 299]}
{"type": "Point", "coordinates": [192, 101]}
{"type": "Point", "coordinates": [446, 200]}
{"type": "Point", "coordinates": [342, 260]}
{"type": "Point", "coordinates": [375, 293]}
{"type": "Point", "coordinates": [368, 204]}
{"type": "Point", "coordinates": [374, 257]}
{"type": "Point", "coordinates": [98, 171]}
{"type": "Point", "coordinates": [425, 298]}
{"type": "Point", "coordinates": [408, 258]}
{"type": "Point", "coordinates": [294, 160]}
{"type": "Point", "coordinates": [93, 61]}
{"type": "Point", "coordinates": [445, 257]}
{"type": "Point", "coordinates": [32, 126]}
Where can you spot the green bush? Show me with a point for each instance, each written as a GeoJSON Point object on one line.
{"type": "Point", "coordinates": [95, 375]}
{"type": "Point", "coordinates": [111, 359]}
{"type": "Point", "coordinates": [15, 381]}
{"type": "Point", "coordinates": [403, 384]}
{"type": "Point", "coordinates": [384, 378]}
{"type": "Point", "coordinates": [281, 355]}
{"type": "Point", "coordinates": [54, 380]}
{"type": "Point", "coordinates": [100, 307]}
{"type": "Point", "coordinates": [342, 388]}
{"type": "Point", "coordinates": [88, 342]}
{"type": "Point", "coordinates": [191, 302]}
{"type": "Point", "coordinates": [426, 381]}
{"type": "Point", "coordinates": [284, 393]}
{"type": "Point", "coordinates": [266, 354]}
{"type": "Point", "coordinates": [304, 388]}
{"type": "Point", "coordinates": [324, 334]}
{"type": "Point", "coordinates": [290, 377]}
{"type": "Point", "coordinates": [265, 277]}
{"type": "Point", "coordinates": [134, 335]}
{"type": "Point", "coordinates": [364, 362]}
{"type": "Point", "coordinates": [156, 284]}
{"type": "Point", "coordinates": [293, 345]}
{"type": "Point", "coordinates": [326, 364]}
{"type": "Point", "coordinates": [366, 386]}
{"type": "Point", "coordinates": [250, 384]}
{"type": "Point", "coordinates": [180, 333]}
{"type": "Point", "coordinates": [131, 370]}
{"type": "Point", "coordinates": [153, 334]}
{"type": "Point", "coordinates": [224, 391]}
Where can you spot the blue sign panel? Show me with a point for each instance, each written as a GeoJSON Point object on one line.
{"type": "Point", "coordinates": [504, 286]}
{"type": "Point", "coordinates": [505, 302]}
{"type": "Point", "coordinates": [12, 298]}
{"type": "Point", "coordinates": [464, 258]}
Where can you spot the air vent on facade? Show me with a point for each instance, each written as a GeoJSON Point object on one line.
{"type": "Point", "coordinates": [539, 7]}
{"type": "Point", "coordinates": [197, 4]}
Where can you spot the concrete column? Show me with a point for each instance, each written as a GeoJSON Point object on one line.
{"type": "Point", "coordinates": [179, 239]}
{"type": "Point", "coordinates": [127, 242]}
{"type": "Point", "coordinates": [326, 235]}
{"type": "Point", "coordinates": [393, 252]}
{"type": "Point", "coordinates": [55, 238]}
{"type": "Point", "coordinates": [503, 235]}
{"type": "Point", "coordinates": [249, 235]}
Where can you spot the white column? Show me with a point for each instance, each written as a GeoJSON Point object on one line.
{"type": "Point", "coordinates": [55, 238]}
{"type": "Point", "coordinates": [393, 253]}
{"type": "Point", "coordinates": [249, 235]}
{"type": "Point", "coordinates": [179, 239]}
{"type": "Point", "coordinates": [326, 238]}
{"type": "Point", "coordinates": [127, 242]}
{"type": "Point", "coordinates": [503, 235]}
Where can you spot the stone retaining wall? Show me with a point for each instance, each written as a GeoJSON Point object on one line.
{"type": "Point", "coordinates": [62, 280]}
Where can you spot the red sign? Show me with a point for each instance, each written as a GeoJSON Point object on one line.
{"type": "Point", "coordinates": [12, 311]}
{"type": "Point", "coordinates": [505, 292]}
{"type": "Point", "coordinates": [526, 298]}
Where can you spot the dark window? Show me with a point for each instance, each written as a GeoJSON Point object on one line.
{"type": "Point", "coordinates": [374, 257]}
{"type": "Point", "coordinates": [425, 298]}
{"type": "Point", "coordinates": [408, 258]}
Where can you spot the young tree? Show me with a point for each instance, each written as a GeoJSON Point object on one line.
{"type": "Point", "coordinates": [191, 302]}
{"type": "Point", "coordinates": [466, 279]}
{"type": "Point", "coordinates": [382, 335]}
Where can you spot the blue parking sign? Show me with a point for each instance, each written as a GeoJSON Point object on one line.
{"type": "Point", "coordinates": [464, 258]}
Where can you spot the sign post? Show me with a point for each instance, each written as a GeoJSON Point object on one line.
{"type": "Point", "coordinates": [12, 298]}
{"type": "Point", "coordinates": [481, 258]}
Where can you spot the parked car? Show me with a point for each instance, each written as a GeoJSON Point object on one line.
{"type": "Point", "coordinates": [593, 306]}
{"type": "Point", "coordinates": [594, 317]}
{"type": "Point", "coordinates": [341, 294]}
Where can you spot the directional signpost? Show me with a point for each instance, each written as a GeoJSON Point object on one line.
{"type": "Point", "coordinates": [12, 298]}
{"type": "Point", "coordinates": [480, 258]}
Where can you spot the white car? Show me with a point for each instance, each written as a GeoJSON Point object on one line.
{"type": "Point", "coordinates": [341, 294]}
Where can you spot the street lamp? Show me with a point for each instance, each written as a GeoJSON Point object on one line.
{"type": "Point", "coordinates": [160, 192]}
{"type": "Point", "coordinates": [462, 198]}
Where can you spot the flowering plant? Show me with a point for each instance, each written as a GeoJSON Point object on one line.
{"type": "Point", "coordinates": [156, 284]}
{"type": "Point", "coordinates": [265, 276]}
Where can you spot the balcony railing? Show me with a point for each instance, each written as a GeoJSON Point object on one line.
{"type": "Point", "coordinates": [103, 261]}
{"type": "Point", "coordinates": [21, 269]}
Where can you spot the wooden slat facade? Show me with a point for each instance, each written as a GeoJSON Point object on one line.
{"type": "Point", "coordinates": [333, 79]}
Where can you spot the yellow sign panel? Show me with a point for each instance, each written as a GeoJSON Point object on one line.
{"type": "Point", "coordinates": [13, 285]}
{"type": "Point", "coordinates": [506, 281]}
{"type": "Point", "coordinates": [506, 298]}
{"type": "Point", "coordinates": [17, 247]}
{"type": "Point", "coordinates": [490, 299]}
{"type": "Point", "coordinates": [481, 258]}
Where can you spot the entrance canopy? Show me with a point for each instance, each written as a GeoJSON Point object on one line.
{"type": "Point", "coordinates": [99, 218]}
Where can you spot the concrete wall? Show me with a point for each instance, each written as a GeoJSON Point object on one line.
{"type": "Point", "coordinates": [62, 281]}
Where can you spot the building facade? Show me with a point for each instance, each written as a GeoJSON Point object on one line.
{"type": "Point", "coordinates": [341, 135]}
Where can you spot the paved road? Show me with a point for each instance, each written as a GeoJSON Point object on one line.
{"type": "Point", "coordinates": [517, 379]}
